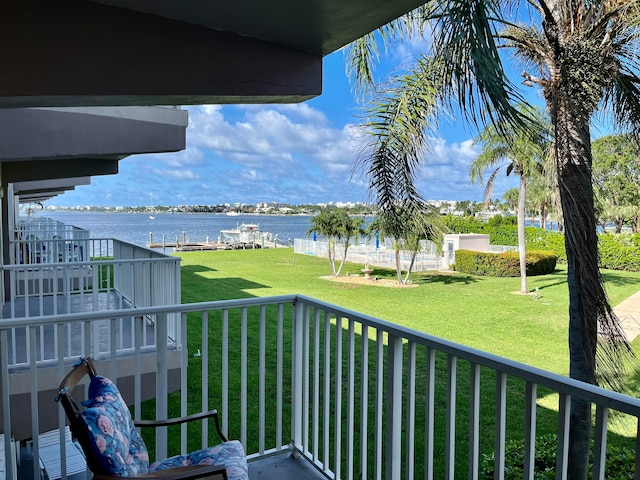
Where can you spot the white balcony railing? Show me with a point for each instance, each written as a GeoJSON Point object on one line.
{"type": "Point", "coordinates": [356, 396]}
{"type": "Point", "coordinates": [107, 275]}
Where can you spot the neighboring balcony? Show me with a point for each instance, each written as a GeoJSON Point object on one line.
{"type": "Point", "coordinates": [349, 395]}
{"type": "Point", "coordinates": [57, 269]}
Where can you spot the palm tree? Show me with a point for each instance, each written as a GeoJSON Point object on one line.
{"type": "Point", "coordinates": [541, 193]}
{"type": "Point", "coordinates": [336, 226]}
{"type": "Point", "coordinates": [521, 152]}
{"type": "Point", "coordinates": [585, 56]}
{"type": "Point", "coordinates": [408, 227]}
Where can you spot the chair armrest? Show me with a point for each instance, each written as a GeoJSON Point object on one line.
{"type": "Point", "coordinates": [191, 472]}
{"type": "Point", "coordinates": [181, 420]}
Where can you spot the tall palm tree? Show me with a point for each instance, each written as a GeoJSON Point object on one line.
{"type": "Point", "coordinates": [585, 56]}
{"type": "Point", "coordinates": [518, 151]}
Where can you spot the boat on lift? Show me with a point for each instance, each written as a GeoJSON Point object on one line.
{"type": "Point", "coordinates": [245, 233]}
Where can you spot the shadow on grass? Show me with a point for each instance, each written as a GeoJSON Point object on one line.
{"type": "Point", "coordinates": [193, 269]}
{"type": "Point", "coordinates": [446, 278]}
{"type": "Point", "coordinates": [195, 287]}
{"type": "Point", "coordinates": [616, 278]}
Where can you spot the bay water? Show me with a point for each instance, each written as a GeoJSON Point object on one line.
{"type": "Point", "coordinates": [137, 228]}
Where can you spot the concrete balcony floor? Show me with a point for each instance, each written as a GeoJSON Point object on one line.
{"type": "Point", "coordinates": [282, 466]}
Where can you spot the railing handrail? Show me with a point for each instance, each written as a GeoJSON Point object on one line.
{"type": "Point", "coordinates": [560, 383]}
{"type": "Point", "coordinates": [87, 263]}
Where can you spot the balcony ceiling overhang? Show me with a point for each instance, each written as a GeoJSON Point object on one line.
{"type": "Point", "coordinates": [175, 52]}
{"type": "Point", "coordinates": [41, 190]}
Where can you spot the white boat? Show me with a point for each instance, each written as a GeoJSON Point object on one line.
{"type": "Point", "coordinates": [245, 233]}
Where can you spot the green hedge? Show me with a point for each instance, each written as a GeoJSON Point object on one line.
{"type": "Point", "coordinates": [619, 252]}
{"type": "Point", "coordinates": [616, 252]}
{"type": "Point", "coordinates": [504, 264]}
{"type": "Point", "coordinates": [619, 463]}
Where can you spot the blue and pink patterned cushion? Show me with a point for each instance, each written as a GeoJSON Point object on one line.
{"type": "Point", "coordinates": [121, 450]}
{"type": "Point", "coordinates": [230, 454]}
{"type": "Point", "coordinates": [116, 442]}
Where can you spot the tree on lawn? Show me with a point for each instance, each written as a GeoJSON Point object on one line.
{"type": "Point", "coordinates": [337, 227]}
{"type": "Point", "coordinates": [616, 180]}
{"type": "Point", "coordinates": [520, 152]}
{"type": "Point", "coordinates": [585, 56]}
{"type": "Point", "coordinates": [408, 227]}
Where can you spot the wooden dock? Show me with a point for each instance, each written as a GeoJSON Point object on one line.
{"type": "Point", "coordinates": [188, 246]}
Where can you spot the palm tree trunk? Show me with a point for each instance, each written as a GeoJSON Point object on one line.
{"type": "Point", "coordinates": [522, 247]}
{"type": "Point", "coordinates": [586, 292]}
{"type": "Point", "coordinates": [398, 269]}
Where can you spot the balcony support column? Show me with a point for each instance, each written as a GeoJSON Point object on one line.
{"type": "Point", "coordinates": [394, 408]}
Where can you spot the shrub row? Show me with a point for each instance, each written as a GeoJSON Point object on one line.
{"type": "Point", "coordinates": [616, 252]}
{"type": "Point", "coordinates": [619, 463]}
{"type": "Point", "coordinates": [504, 264]}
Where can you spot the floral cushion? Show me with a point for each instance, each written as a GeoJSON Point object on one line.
{"type": "Point", "coordinates": [114, 439]}
{"type": "Point", "coordinates": [228, 454]}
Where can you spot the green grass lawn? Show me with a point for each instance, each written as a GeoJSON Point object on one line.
{"type": "Point", "coordinates": [480, 312]}
{"type": "Point", "coordinates": [484, 313]}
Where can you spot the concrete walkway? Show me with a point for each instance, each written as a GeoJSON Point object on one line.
{"type": "Point", "coordinates": [628, 312]}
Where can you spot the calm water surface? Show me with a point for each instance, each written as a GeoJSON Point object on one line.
{"type": "Point", "coordinates": [136, 227]}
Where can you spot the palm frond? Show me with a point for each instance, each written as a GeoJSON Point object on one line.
{"type": "Point", "coordinates": [622, 98]}
{"type": "Point", "coordinates": [363, 53]}
{"type": "Point", "coordinates": [396, 123]}
{"type": "Point", "coordinates": [473, 71]}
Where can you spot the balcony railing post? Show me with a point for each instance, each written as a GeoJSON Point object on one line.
{"type": "Point", "coordinates": [161, 384]}
{"type": "Point", "coordinates": [394, 408]}
{"type": "Point", "coordinates": [298, 361]}
{"type": "Point", "coordinates": [5, 397]}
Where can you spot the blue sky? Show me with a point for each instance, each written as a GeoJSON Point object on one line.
{"type": "Point", "coordinates": [295, 154]}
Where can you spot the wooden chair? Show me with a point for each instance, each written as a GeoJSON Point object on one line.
{"type": "Point", "coordinates": [114, 448]}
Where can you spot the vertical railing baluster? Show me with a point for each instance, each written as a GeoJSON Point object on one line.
{"type": "Point", "coordinates": [351, 340]}
{"type": "Point", "coordinates": [59, 327]}
{"type": "Point", "coordinates": [450, 449]}
{"type": "Point", "coordinates": [35, 420]}
{"type": "Point", "coordinates": [162, 390]}
{"type": "Point", "coordinates": [636, 475]}
{"type": "Point", "coordinates": [6, 404]}
{"type": "Point", "coordinates": [474, 421]}
{"type": "Point", "coordinates": [243, 378]}
{"type": "Point", "coordinates": [429, 415]}
{"type": "Point", "coordinates": [531, 397]}
{"type": "Point", "coordinates": [261, 373]}
{"type": "Point", "coordinates": [394, 408]}
{"type": "Point", "coordinates": [411, 411]}
{"type": "Point", "coordinates": [184, 355]}
{"type": "Point", "coordinates": [296, 393]}
{"type": "Point", "coordinates": [113, 322]}
{"type": "Point", "coordinates": [137, 367]}
{"type": "Point", "coordinates": [225, 371]}
{"type": "Point", "coordinates": [379, 412]}
{"type": "Point", "coordinates": [204, 362]}
{"type": "Point", "coordinates": [564, 415]}
{"type": "Point", "coordinates": [326, 396]}
{"type": "Point", "coordinates": [600, 442]}
{"type": "Point", "coordinates": [316, 385]}
{"type": "Point", "coordinates": [279, 375]}
{"type": "Point", "coordinates": [337, 447]}
{"type": "Point", "coordinates": [305, 379]}
{"type": "Point", "coordinates": [500, 433]}
{"type": "Point", "coordinates": [364, 401]}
